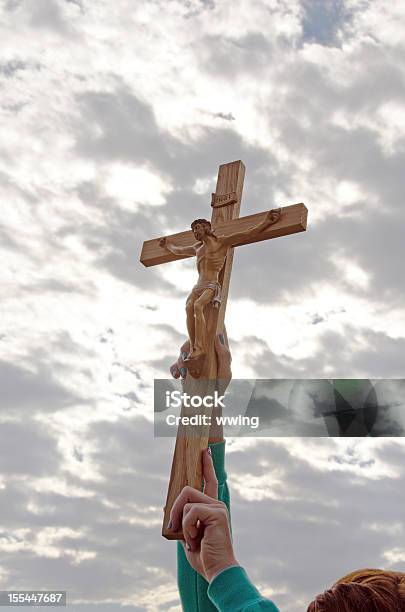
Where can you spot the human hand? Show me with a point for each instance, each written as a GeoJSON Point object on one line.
{"type": "Point", "coordinates": [205, 522]}
{"type": "Point", "coordinates": [273, 216]}
{"type": "Point", "coordinates": [178, 368]}
{"type": "Point", "coordinates": [224, 373]}
{"type": "Point", "coordinates": [224, 359]}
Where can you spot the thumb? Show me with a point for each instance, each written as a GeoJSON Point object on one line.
{"type": "Point", "coordinates": [210, 477]}
{"type": "Point", "coordinates": [220, 344]}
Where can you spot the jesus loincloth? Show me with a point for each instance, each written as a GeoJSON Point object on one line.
{"type": "Point", "coordinates": [199, 289]}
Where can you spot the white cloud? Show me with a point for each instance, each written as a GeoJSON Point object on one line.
{"type": "Point", "coordinates": [134, 186]}
{"type": "Point", "coordinates": [394, 556]}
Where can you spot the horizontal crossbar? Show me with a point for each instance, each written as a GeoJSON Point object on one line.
{"type": "Point", "coordinates": [293, 219]}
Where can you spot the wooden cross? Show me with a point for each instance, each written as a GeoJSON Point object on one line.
{"type": "Point", "coordinates": [187, 464]}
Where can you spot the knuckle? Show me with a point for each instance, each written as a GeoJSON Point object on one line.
{"type": "Point", "coordinates": [187, 514]}
{"type": "Point", "coordinates": [224, 514]}
{"type": "Point", "coordinates": [223, 510]}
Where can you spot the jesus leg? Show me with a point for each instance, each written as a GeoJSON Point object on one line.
{"type": "Point", "coordinates": [191, 319]}
{"type": "Point", "coordinates": [200, 343]}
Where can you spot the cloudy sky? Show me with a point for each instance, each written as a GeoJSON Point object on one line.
{"type": "Point", "coordinates": [115, 116]}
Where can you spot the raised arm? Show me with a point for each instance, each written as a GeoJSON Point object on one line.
{"type": "Point", "coordinates": [271, 217]}
{"type": "Point", "coordinates": [177, 250]}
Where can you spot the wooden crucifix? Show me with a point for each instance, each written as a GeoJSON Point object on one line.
{"type": "Point", "coordinates": [213, 243]}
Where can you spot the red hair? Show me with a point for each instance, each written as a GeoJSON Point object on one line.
{"type": "Point", "coordinates": [367, 590]}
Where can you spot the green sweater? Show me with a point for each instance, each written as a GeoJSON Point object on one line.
{"type": "Point", "coordinates": [231, 590]}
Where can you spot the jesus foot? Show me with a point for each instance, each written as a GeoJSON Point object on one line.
{"type": "Point", "coordinates": [196, 354]}
{"type": "Point", "coordinates": [195, 363]}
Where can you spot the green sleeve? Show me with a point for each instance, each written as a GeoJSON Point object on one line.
{"type": "Point", "coordinates": [232, 591]}
{"type": "Point", "coordinates": [193, 588]}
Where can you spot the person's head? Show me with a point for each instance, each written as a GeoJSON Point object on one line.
{"type": "Point", "coordinates": [201, 228]}
{"type": "Point", "coordinates": [367, 590]}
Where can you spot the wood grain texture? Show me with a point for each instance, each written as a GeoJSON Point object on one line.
{"type": "Point", "coordinates": [187, 464]}
{"type": "Point", "coordinates": [293, 220]}
{"type": "Point", "coordinates": [230, 179]}
{"type": "Point", "coordinates": [190, 442]}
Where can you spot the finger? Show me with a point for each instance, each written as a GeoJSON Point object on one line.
{"type": "Point", "coordinates": [226, 336]}
{"type": "Point", "coordinates": [221, 345]}
{"type": "Point", "coordinates": [188, 494]}
{"type": "Point", "coordinates": [193, 530]}
{"type": "Point", "coordinates": [198, 517]}
{"type": "Point", "coordinates": [185, 349]}
{"type": "Point", "coordinates": [186, 548]}
{"type": "Point", "coordinates": [209, 475]}
{"type": "Point", "coordinates": [192, 556]}
{"type": "Point", "coordinates": [174, 371]}
{"type": "Point", "coordinates": [200, 535]}
{"type": "Point", "coordinates": [224, 356]}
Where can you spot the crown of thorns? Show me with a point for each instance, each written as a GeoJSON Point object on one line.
{"type": "Point", "coordinates": [201, 221]}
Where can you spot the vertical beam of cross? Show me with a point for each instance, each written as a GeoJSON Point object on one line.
{"type": "Point", "coordinates": [225, 207]}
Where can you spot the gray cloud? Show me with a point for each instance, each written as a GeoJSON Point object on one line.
{"type": "Point", "coordinates": [360, 240]}
{"type": "Point", "coordinates": [129, 131]}
{"type": "Point", "coordinates": [327, 514]}
{"type": "Point", "coordinates": [226, 116]}
{"type": "Point", "coordinates": [227, 56]}
{"type": "Point", "coordinates": [38, 454]}
{"type": "Point", "coordinates": [11, 5]}
{"type": "Point", "coordinates": [79, 3]}
{"type": "Point", "coordinates": [10, 68]}
{"type": "Point", "coordinates": [128, 128]}
{"type": "Point", "coordinates": [23, 390]}
{"type": "Point", "coordinates": [353, 353]}
{"type": "Point", "coordinates": [48, 14]}
{"type": "Point", "coordinates": [134, 482]}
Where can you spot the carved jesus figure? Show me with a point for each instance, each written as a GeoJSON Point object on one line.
{"type": "Point", "coordinates": [211, 253]}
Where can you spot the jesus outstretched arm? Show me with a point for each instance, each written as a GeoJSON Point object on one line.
{"type": "Point", "coordinates": [177, 250]}
{"type": "Point", "coordinates": [271, 217]}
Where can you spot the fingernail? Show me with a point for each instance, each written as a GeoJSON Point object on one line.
{"type": "Point", "coordinates": [169, 524]}
{"type": "Point", "coordinates": [222, 339]}
{"type": "Point", "coordinates": [184, 356]}
{"type": "Point", "coordinates": [209, 452]}
{"type": "Point", "coordinates": [183, 372]}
